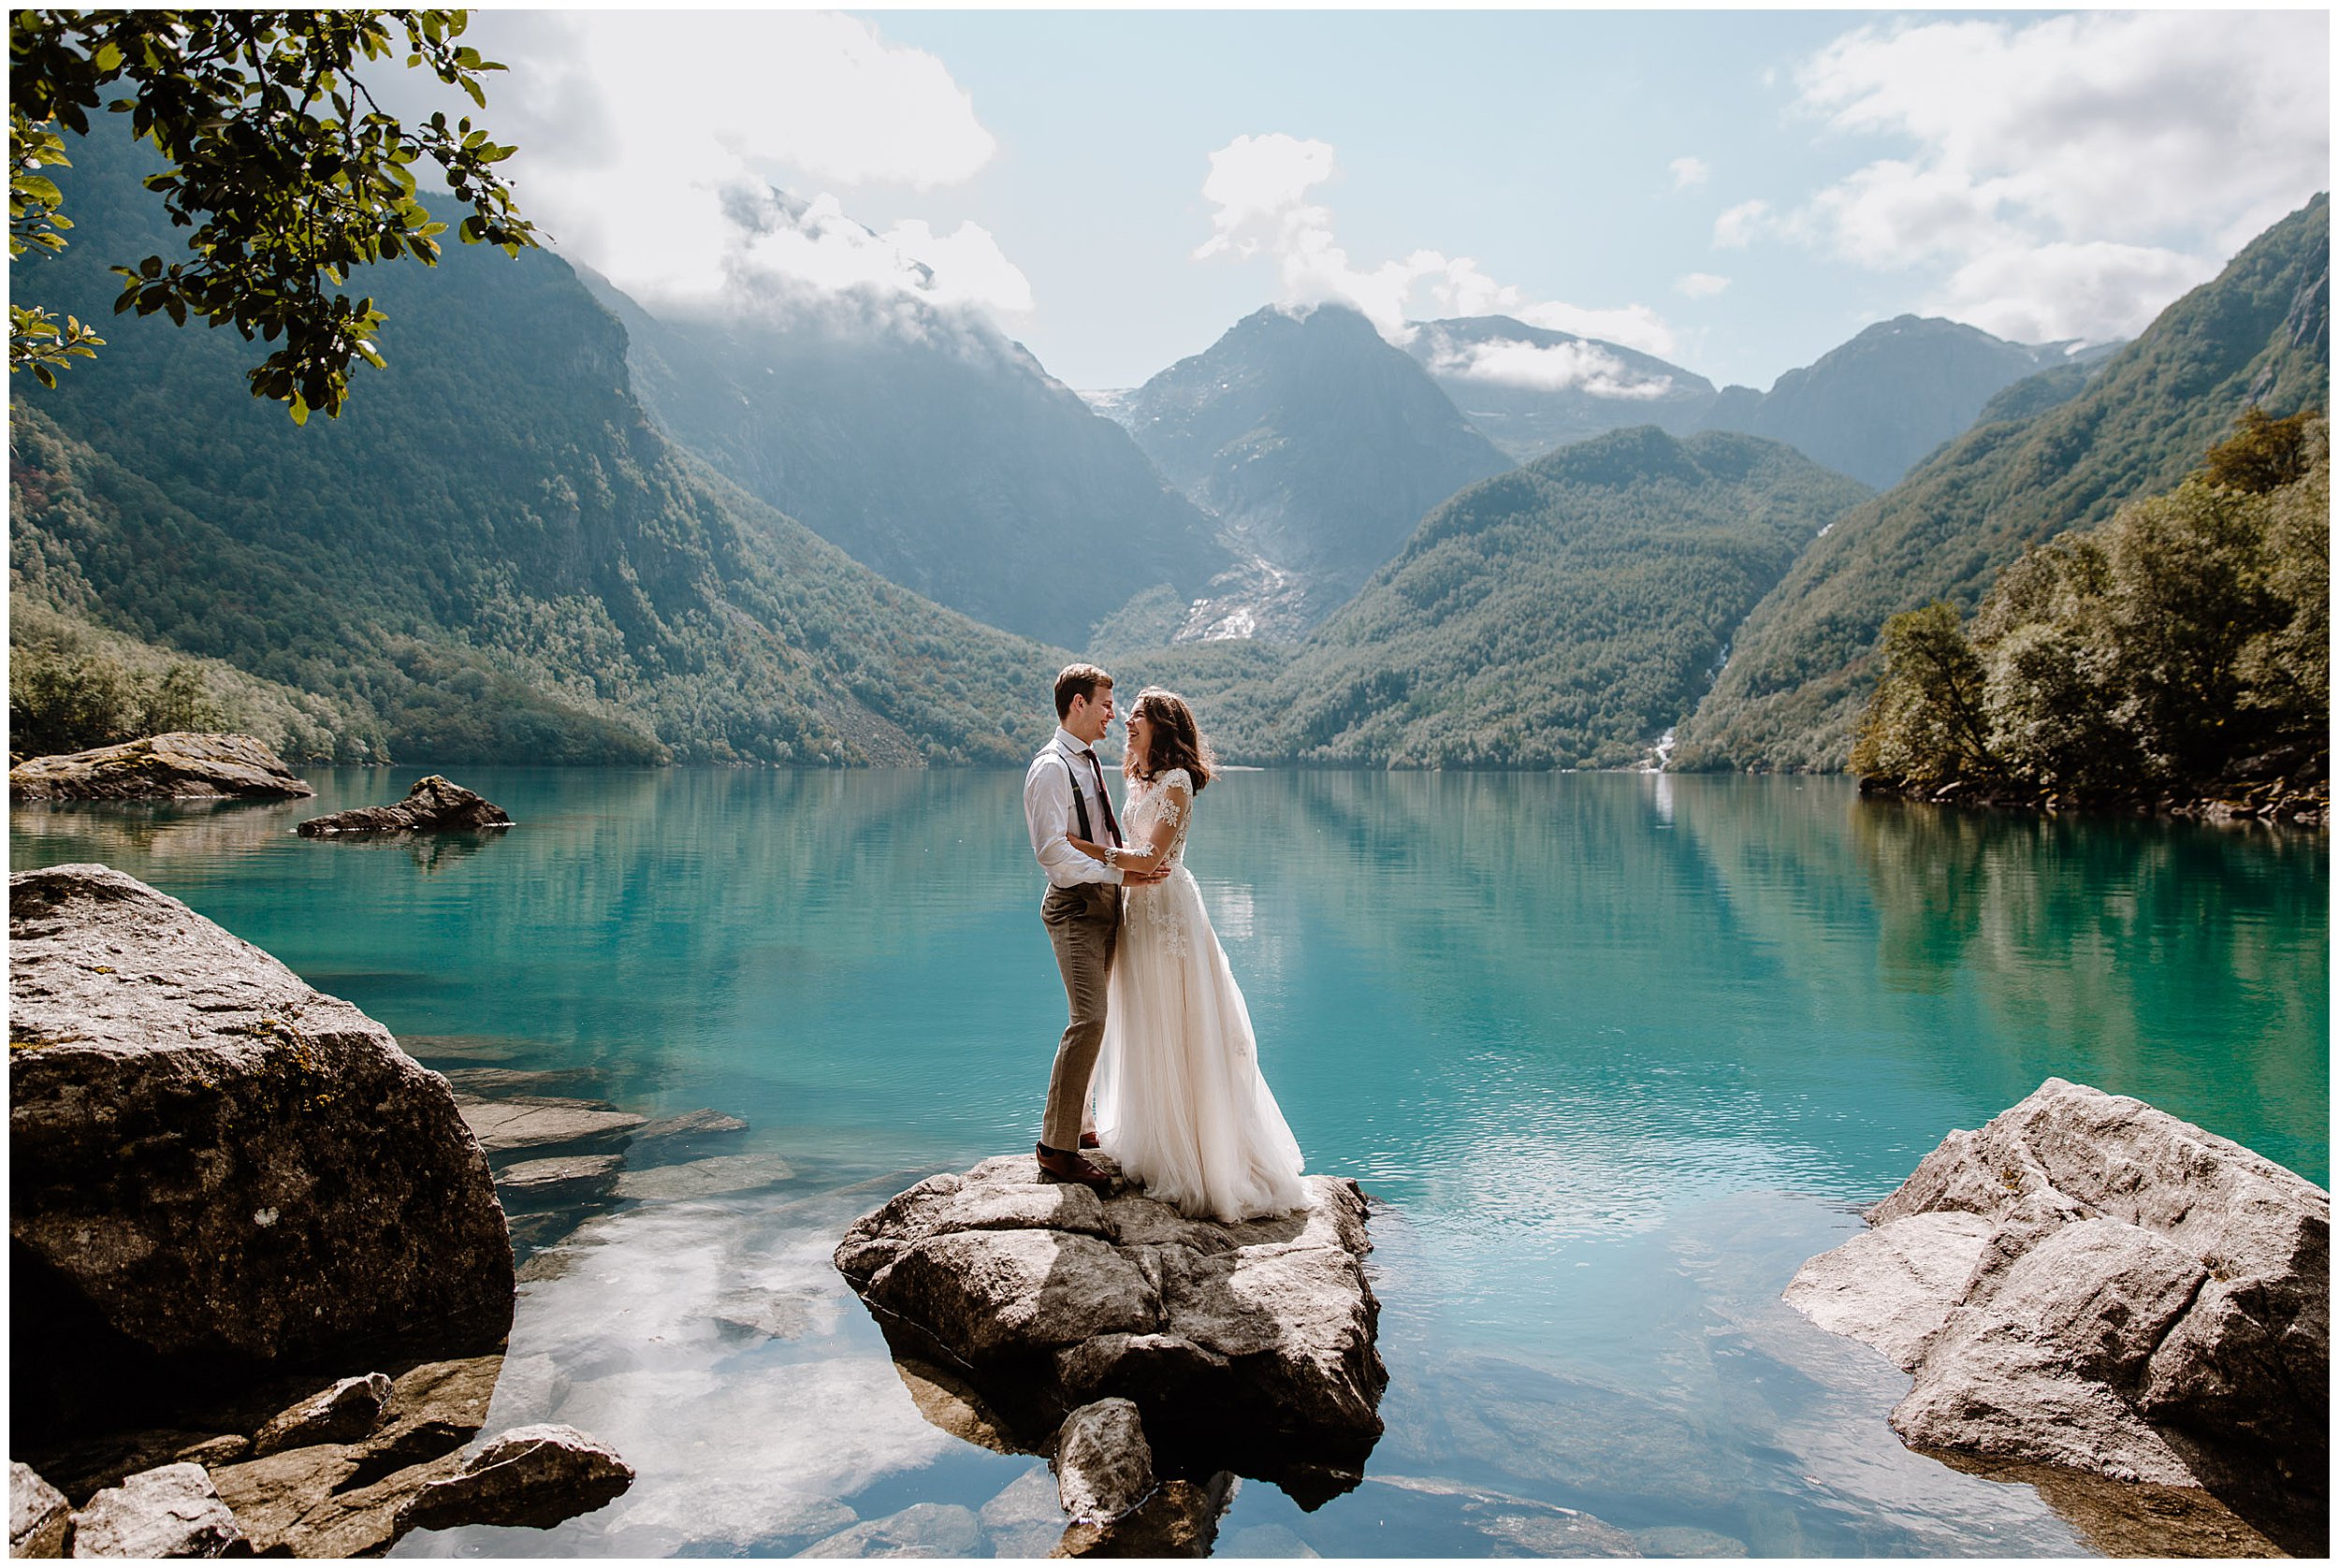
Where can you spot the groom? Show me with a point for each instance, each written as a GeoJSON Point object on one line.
{"type": "Point", "coordinates": [1063, 794]}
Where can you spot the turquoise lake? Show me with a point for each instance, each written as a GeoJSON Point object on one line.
{"type": "Point", "coordinates": [1614, 1053]}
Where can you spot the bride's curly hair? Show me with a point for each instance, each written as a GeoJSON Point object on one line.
{"type": "Point", "coordinates": [1177, 740]}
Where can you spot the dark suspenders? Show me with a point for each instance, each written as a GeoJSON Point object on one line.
{"type": "Point", "coordinates": [1080, 805]}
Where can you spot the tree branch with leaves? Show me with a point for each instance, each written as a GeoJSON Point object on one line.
{"type": "Point", "coordinates": [277, 157]}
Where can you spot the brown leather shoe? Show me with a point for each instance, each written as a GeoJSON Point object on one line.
{"type": "Point", "coordinates": [1089, 1140]}
{"type": "Point", "coordinates": [1070, 1168]}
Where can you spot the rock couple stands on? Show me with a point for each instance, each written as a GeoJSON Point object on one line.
{"type": "Point", "coordinates": [180, 766]}
{"type": "Point", "coordinates": [1241, 1347]}
{"type": "Point", "coordinates": [223, 1182]}
{"type": "Point", "coordinates": [2091, 1283]}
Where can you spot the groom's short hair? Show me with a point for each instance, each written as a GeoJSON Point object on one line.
{"type": "Point", "coordinates": [1077, 680]}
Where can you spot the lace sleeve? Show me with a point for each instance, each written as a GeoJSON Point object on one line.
{"type": "Point", "coordinates": [1177, 795]}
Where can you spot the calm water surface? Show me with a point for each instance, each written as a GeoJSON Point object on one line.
{"type": "Point", "coordinates": [1616, 1055]}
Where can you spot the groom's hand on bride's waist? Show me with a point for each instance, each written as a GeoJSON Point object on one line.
{"type": "Point", "coordinates": [1144, 879]}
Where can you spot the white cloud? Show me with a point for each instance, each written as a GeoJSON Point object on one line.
{"type": "Point", "coordinates": [2076, 171]}
{"type": "Point", "coordinates": [1548, 367]}
{"type": "Point", "coordinates": [1631, 326]}
{"type": "Point", "coordinates": [1700, 286]}
{"type": "Point", "coordinates": [789, 252]}
{"type": "Point", "coordinates": [1259, 187]}
{"type": "Point", "coordinates": [1736, 228]}
{"type": "Point", "coordinates": [2042, 293]}
{"type": "Point", "coordinates": [659, 201]}
{"type": "Point", "coordinates": [1690, 171]}
{"type": "Point", "coordinates": [967, 265]}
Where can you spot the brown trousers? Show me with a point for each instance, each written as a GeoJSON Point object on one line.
{"type": "Point", "coordinates": [1084, 926]}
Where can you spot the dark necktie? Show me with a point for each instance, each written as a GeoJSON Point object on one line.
{"type": "Point", "coordinates": [1103, 799]}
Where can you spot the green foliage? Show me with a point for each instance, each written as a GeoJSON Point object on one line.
{"type": "Point", "coordinates": [74, 685]}
{"type": "Point", "coordinates": [38, 341]}
{"type": "Point", "coordinates": [1804, 663]}
{"type": "Point", "coordinates": [276, 156]}
{"type": "Point", "coordinates": [2262, 454]}
{"type": "Point", "coordinates": [1926, 720]}
{"type": "Point", "coordinates": [67, 694]}
{"type": "Point", "coordinates": [1149, 620]}
{"type": "Point", "coordinates": [2183, 642]}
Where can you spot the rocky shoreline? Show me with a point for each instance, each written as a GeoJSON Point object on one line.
{"type": "Point", "coordinates": [2279, 801]}
{"type": "Point", "coordinates": [260, 1278]}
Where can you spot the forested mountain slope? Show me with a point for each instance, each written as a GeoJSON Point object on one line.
{"type": "Point", "coordinates": [493, 553]}
{"type": "Point", "coordinates": [1804, 662]}
{"type": "Point", "coordinates": [1563, 614]}
{"type": "Point", "coordinates": [930, 449]}
{"type": "Point", "coordinates": [1317, 446]}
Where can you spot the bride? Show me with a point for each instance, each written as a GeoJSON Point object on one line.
{"type": "Point", "coordinates": [1180, 1102]}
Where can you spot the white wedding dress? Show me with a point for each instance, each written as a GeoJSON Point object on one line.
{"type": "Point", "coordinates": [1180, 1105]}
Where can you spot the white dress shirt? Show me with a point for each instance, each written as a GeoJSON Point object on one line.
{"type": "Point", "coordinates": [1048, 812]}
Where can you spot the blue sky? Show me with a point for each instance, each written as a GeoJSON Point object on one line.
{"type": "Point", "coordinates": [1737, 192]}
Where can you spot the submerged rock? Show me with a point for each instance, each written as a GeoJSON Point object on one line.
{"type": "Point", "coordinates": [572, 1178]}
{"type": "Point", "coordinates": [172, 1511]}
{"type": "Point", "coordinates": [921, 1530]}
{"type": "Point", "coordinates": [432, 805]}
{"type": "Point", "coordinates": [546, 1121]}
{"type": "Point", "coordinates": [37, 1515]}
{"type": "Point", "coordinates": [1179, 1520]}
{"type": "Point", "coordinates": [703, 1122]}
{"type": "Point", "coordinates": [180, 766]}
{"type": "Point", "coordinates": [1246, 1346]}
{"type": "Point", "coordinates": [2089, 1282]}
{"type": "Point", "coordinates": [216, 1168]}
{"type": "Point", "coordinates": [1104, 1467]}
{"type": "Point", "coordinates": [706, 1177]}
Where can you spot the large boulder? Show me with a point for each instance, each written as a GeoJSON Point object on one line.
{"type": "Point", "coordinates": [432, 805]}
{"type": "Point", "coordinates": [214, 1165]}
{"type": "Point", "coordinates": [180, 766]}
{"type": "Point", "coordinates": [2089, 1282]}
{"type": "Point", "coordinates": [1249, 1347]}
